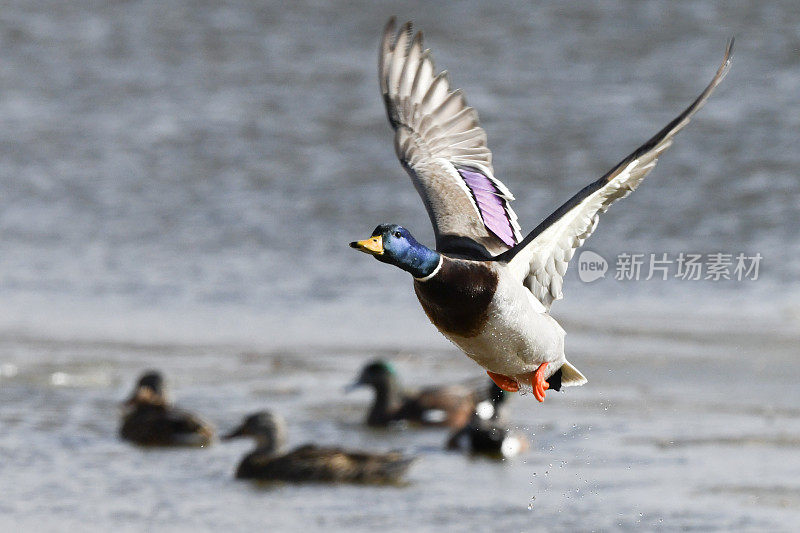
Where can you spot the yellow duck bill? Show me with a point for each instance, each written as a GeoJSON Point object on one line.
{"type": "Point", "coordinates": [372, 246]}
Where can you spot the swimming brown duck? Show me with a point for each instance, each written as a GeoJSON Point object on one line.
{"type": "Point", "coordinates": [310, 462]}
{"type": "Point", "coordinates": [150, 420]}
{"type": "Point", "coordinates": [450, 405]}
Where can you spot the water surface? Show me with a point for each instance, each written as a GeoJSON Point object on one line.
{"type": "Point", "coordinates": [178, 184]}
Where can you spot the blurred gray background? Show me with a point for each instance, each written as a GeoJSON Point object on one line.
{"type": "Point", "coordinates": [178, 185]}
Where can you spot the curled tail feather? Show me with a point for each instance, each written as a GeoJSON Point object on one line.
{"type": "Point", "coordinates": [571, 376]}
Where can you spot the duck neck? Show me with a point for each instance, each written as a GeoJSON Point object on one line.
{"type": "Point", "coordinates": [267, 444]}
{"type": "Point", "coordinates": [388, 397]}
{"type": "Point", "coordinates": [420, 261]}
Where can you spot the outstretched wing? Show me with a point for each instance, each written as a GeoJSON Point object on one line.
{"type": "Point", "coordinates": [439, 141]}
{"type": "Point", "coordinates": [541, 259]}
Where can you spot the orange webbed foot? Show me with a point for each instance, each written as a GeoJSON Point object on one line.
{"type": "Point", "coordinates": [538, 382]}
{"type": "Point", "coordinates": [504, 382]}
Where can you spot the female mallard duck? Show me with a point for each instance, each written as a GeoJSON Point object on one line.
{"type": "Point", "coordinates": [486, 433]}
{"type": "Point", "coordinates": [450, 405]}
{"type": "Point", "coordinates": [310, 462]}
{"type": "Point", "coordinates": [484, 287]}
{"type": "Point", "coordinates": [150, 420]}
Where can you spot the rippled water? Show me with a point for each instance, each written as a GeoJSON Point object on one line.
{"type": "Point", "coordinates": [178, 183]}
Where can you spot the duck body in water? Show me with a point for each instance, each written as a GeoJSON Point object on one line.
{"type": "Point", "coordinates": [449, 406]}
{"type": "Point", "coordinates": [310, 463]}
{"type": "Point", "coordinates": [150, 420]}
{"type": "Point", "coordinates": [486, 433]}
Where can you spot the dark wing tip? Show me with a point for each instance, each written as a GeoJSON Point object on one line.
{"type": "Point", "coordinates": [391, 35]}
{"type": "Point", "coordinates": [729, 49]}
{"type": "Point", "coordinates": [388, 28]}
{"type": "Point", "coordinates": [723, 69]}
{"type": "Point", "coordinates": [408, 28]}
{"type": "Point", "coordinates": [385, 48]}
{"type": "Point", "coordinates": [726, 61]}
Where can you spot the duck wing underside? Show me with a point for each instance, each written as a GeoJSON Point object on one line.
{"type": "Point", "coordinates": [540, 260]}
{"type": "Point", "coordinates": [442, 146]}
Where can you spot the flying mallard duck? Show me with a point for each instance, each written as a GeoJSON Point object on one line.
{"type": "Point", "coordinates": [150, 420]}
{"type": "Point", "coordinates": [487, 289]}
{"type": "Point", "coordinates": [448, 405]}
{"type": "Point", "coordinates": [310, 462]}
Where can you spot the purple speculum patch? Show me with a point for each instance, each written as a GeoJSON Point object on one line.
{"type": "Point", "coordinates": [490, 204]}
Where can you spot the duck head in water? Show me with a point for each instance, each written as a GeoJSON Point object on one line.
{"type": "Point", "coordinates": [377, 374]}
{"type": "Point", "coordinates": [149, 390]}
{"type": "Point", "coordinates": [266, 428]}
{"type": "Point", "coordinates": [382, 378]}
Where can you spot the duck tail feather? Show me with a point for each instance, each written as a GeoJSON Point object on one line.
{"type": "Point", "coordinates": [571, 376]}
{"type": "Point", "coordinates": [397, 468]}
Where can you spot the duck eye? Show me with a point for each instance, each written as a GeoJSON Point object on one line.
{"type": "Point", "coordinates": [397, 234]}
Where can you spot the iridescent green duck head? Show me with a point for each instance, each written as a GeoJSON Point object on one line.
{"type": "Point", "coordinates": [378, 374]}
